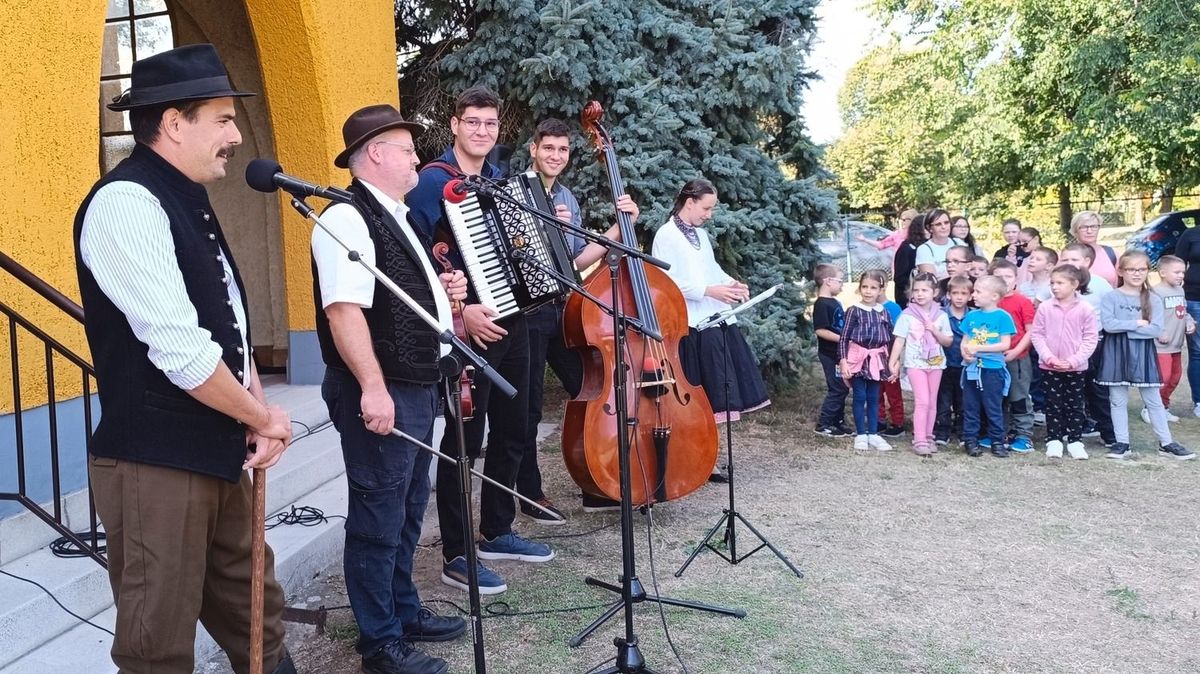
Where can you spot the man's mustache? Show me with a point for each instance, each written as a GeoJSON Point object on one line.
{"type": "Point", "coordinates": [226, 152]}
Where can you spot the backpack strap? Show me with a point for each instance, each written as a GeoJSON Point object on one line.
{"type": "Point", "coordinates": [1112, 254]}
{"type": "Point", "coordinates": [445, 166]}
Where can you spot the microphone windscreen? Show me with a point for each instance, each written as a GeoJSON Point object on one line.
{"type": "Point", "coordinates": [260, 174]}
{"type": "Point", "coordinates": [454, 191]}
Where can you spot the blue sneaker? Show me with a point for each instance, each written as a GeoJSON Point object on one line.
{"type": "Point", "coordinates": [1021, 446]}
{"type": "Point", "coordinates": [986, 443]}
{"type": "Point", "coordinates": [454, 574]}
{"type": "Point", "coordinates": [512, 546]}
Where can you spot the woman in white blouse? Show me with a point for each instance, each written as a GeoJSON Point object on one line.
{"type": "Point", "coordinates": [709, 290]}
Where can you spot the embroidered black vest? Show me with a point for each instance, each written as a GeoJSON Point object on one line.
{"type": "Point", "coordinates": [407, 348]}
{"type": "Point", "coordinates": [144, 417]}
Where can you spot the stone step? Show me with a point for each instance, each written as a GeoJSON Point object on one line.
{"type": "Point", "coordinates": [300, 553]}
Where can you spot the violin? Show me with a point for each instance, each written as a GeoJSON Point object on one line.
{"type": "Point", "coordinates": [673, 443]}
{"type": "Point", "coordinates": [466, 380]}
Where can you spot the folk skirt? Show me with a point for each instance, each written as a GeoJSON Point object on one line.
{"type": "Point", "coordinates": [704, 355]}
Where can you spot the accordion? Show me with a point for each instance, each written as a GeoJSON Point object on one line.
{"type": "Point", "coordinates": [506, 250]}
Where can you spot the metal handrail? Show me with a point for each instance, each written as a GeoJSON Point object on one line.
{"type": "Point", "coordinates": [41, 287]}
{"type": "Point", "coordinates": [88, 542]}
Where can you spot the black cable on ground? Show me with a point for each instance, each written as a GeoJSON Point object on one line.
{"type": "Point", "coordinates": [56, 601]}
{"type": "Point", "coordinates": [66, 548]}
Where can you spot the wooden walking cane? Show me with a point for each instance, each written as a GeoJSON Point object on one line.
{"type": "Point", "coordinates": [258, 553]}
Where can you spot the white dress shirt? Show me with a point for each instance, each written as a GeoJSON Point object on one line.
{"type": "Point", "coordinates": [342, 280]}
{"type": "Point", "coordinates": [126, 243]}
{"type": "Point", "coordinates": [692, 270]}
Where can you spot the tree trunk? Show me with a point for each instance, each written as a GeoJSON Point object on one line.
{"type": "Point", "coordinates": [1168, 199]}
{"type": "Point", "coordinates": [1064, 208]}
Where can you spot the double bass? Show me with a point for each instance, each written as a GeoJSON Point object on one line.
{"type": "Point", "coordinates": [673, 433]}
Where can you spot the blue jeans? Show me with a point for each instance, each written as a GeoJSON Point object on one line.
{"type": "Point", "coordinates": [389, 489]}
{"type": "Point", "coordinates": [833, 410]}
{"type": "Point", "coordinates": [1193, 350]}
{"type": "Point", "coordinates": [866, 406]}
{"type": "Point", "coordinates": [989, 399]}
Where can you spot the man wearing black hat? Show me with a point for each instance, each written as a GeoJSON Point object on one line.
{"type": "Point", "coordinates": [382, 373]}
{"type": "Point", "coordinates": [183, 412]}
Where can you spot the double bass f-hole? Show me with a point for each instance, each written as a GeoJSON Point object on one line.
{"type": "Point", "coordinates": [466, 381]}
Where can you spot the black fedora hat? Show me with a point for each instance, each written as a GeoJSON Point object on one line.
{"type": "Point", "coordinates": [366, 123]}
{"type": "Point", "coordinates": [189, 73]}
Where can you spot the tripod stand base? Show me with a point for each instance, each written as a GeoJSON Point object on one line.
{"type": "Point", "coordinates": [638, 595]}
{"type": "Point", "coordinates": [629, 659]}
{"type": "Point", "coordinates": [728, 519]}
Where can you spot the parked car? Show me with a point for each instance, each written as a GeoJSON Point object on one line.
{"type": "Point", "coordinates": [1159, 236]}
{"type": "Point", "coordinates": [835, 239]}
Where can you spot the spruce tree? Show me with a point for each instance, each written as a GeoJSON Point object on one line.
{"type": "Point", "coordinates": [690, 89]}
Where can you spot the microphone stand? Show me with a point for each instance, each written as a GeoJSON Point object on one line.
{"type": "Point", "coordinates": [451, 367]}
{"type": "Point", "coordinates": [629, 656]}
{"type": "Point", "coordinates": [730, 514]}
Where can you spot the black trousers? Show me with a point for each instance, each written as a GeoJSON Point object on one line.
{"type": "Point", "coordinates": [1097, 398]}
{"type": "Point", "coordinates": [949, 404]}
{"type": "Point", "coordinates": [1064, 405]}
{"type": "Point", "coordinates": [506, 437]}
{"type": "Point", "coordinates": [546, 347]}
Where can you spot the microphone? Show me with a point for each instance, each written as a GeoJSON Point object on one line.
{"type": "Point", "coordinates": [455, 191]}
{"type": "Point", "coordinates": [266, 175]}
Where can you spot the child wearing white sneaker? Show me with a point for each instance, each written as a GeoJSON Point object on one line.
{"type": "Point", "coordinates": [922, 331]}
{"type": "Point", "coordinates": [1065, 333]}
{"type": "Point", "coordinates": [1131, 321]}
{"type": "Point", "coordinates": [1177, 325]}
{"type": "Point", "coordinates": [863, 354]}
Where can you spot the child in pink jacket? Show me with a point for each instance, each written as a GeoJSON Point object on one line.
{"type": "Point", "coordinates": [1065, 333]}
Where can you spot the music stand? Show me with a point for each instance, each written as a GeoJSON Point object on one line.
{"type": "Point", "coordinates": [730, 515]}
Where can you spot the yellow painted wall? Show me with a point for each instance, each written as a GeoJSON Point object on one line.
{"type": "Point", "coordinates": [321, 60]}
{"type": "Point", "coordinates": [49, 124]}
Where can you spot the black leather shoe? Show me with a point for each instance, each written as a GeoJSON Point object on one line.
{"type": "Point", "coordinates": [285, 665]}
{"type": "Point", "coordinates": [399, 657]}
{"type": "Point", "coordinates": [430, 626]}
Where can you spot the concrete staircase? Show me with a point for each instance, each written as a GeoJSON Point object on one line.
{"type": "Point", "coordinates": [37, 636]}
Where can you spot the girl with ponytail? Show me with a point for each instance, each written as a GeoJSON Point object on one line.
{"type": "Point", "coordinates": [1131, 321]}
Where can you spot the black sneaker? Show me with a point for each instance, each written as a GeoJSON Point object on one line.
{"type": "Point", "coordinates": [1175, 450]}
{"type": "Point", "coordinates": [399, 657]}
{"type": "Point", "coordinates": [845, 430]}
{"type": "Point", "coordinates": [832, 431]}
{"type": "Point", "coordinates": [1000, 450]}
{"type": "Point", "coordinates": [430, 626]}
{"type": "Point", "coordinates": [599, 504]}
{"type": "Point", "coordinates": [541, 516]}
{"type": "Point", "coordinates": [891, 431]}
{"type": "Point", "coordinates": [972, 448]}
{"type": "Point", "coordinates": [942, 441]}
{"type": "Point", "coordinates": [1119, 450]}
{"type": "Point", "coordinates": [1108, 443]}
{"type": "Point", "coordinates": [1089, 431]}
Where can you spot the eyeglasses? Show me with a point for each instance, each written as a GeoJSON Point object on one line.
{"type": "Point", "coordinates": [1136, 270]}
{"type": "Point", "coordinates": [472, 124]}
{"type": "Point", "coordinates": [1024, 243]}
{"type": "Point", "coordinates": [404, 149]}
{"type": "Point", "coordinates": [949, 261]}
{"type": "Point", "coordinates": [1089, 227]}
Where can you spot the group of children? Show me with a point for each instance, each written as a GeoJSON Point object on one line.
{"type": "Point", "coordinates": [977, 350]}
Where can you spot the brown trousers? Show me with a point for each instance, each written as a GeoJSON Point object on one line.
{"type": "Point", "coordinates": [178, 552]}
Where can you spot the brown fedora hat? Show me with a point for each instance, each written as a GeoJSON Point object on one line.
{"type": "Point", "coordinates": [189, 73]}
{"type": "Point", "coordinates": [366, 123]}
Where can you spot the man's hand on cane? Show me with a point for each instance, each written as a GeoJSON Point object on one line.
{"type": "Point", "coordinates": [266, 444]}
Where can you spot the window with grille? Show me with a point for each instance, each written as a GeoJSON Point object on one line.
{"type": "Point", "coordinates": [133, 29]}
